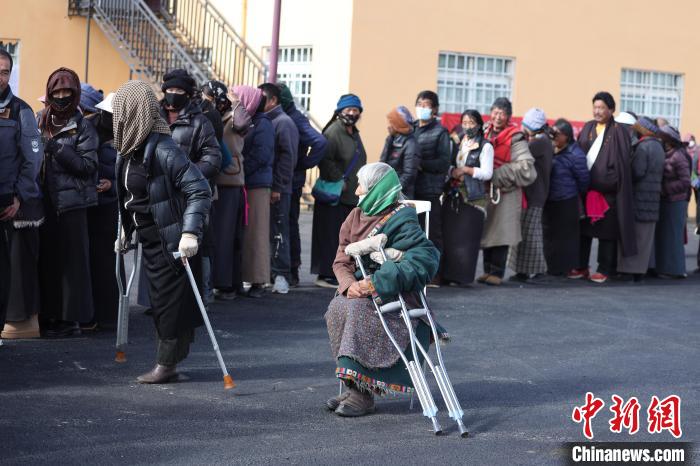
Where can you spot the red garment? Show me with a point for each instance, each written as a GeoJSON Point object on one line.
{"type": "Point", "coordinates": [501, 144]}
{"type": "Point", "coordinates": [596, 206]}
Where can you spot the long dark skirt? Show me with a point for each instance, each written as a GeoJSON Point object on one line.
{"type": "Point", "coordinates": [24, 287]}
{"type": "Point", "coordinates": [174, 306]}
{"type": "Point", "coordinates": [64, 266]}
{"type": "Point", "coordinates": [670, 238]}
{"type": "Point", "coordinates": [462, 226]}
{"type": "Point", "coordinates": [102, 225]}
{"type": "Point", "coordinates": [561, 229]}
{"type": "Point", "coordinates": [227, 223]}
{"type": "Point", "coordinates": [324, 237]}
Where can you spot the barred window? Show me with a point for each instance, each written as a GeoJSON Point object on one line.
{"type": "Point", "coordinates": [294, 69]}
{"type": "Point", "coordinates": [12, 47]}
{"type": "Point", "coordinates": [472, 81]}
{"type": "Point", "coordinates": [652, 93]}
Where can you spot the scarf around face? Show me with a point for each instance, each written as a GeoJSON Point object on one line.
{"type": "Point", "coordinates": [62, 78]}
{"type": "Point", "coordinates": [250, 98]}
{"type": "Point", "coordinates": [136, 115]}
{"type": "Point", "coordinates": [501, 144]}
{"type": "Point", "coordinates": [382, 195]}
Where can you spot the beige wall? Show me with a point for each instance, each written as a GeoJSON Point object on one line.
{"type": "Point", "coordinates": [325, 25]}
{"type": "Point", "coordinates": [50, 39]}
{"type": "Point", "coordinates": [564, 51]}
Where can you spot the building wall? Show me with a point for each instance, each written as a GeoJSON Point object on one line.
{"type": "Point", "coordinates": [564, 51]}
{"type": "Point", "coordinates": [50, 39]}
{"type": "Point", "coordinates": [324, 25]}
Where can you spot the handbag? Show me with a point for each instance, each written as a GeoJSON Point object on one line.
{"type": "Point", "coordinates": [328, 192]}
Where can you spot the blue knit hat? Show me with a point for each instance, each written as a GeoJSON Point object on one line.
{"type": "Point", "coordinates": [348, 100]}
{"type": "Point", "coordinates": [534, 119]}
{"type": "Point", "coordinates": [89, 97]}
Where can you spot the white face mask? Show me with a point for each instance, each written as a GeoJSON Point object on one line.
{"type": "Point", "coordinates": [691, 144]}
{"type": "Point", "coordinates": [423, 113]}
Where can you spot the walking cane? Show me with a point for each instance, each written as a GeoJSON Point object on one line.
{"type": "Point", "coordinates": [124, 294]}
{"type": "Point", "coordinates": [228, 380]}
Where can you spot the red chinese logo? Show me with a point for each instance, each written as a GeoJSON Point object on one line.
{"type": "Point", "coordinates": [665, 415]}
{"type": "Point", "coordinates": [626, 415]}
{"type": "Point", "coordinates": [587, 412]}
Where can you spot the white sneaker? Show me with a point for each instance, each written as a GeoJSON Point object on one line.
{"type": "Point", "coordinates": [281, 286]}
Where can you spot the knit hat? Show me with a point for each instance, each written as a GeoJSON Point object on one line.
{"type": "Point", "coordinates": [400, 120]}
{"type": "Point", "coordinates": [625, 118]}
{"type": "Point", "coordinates": [217, 90]}
{"type": "Point", "coordinates": [89, 97]}
{"type": "Point", "coordinates": [348, 100]}
{"type": "Point", "coordinates": [178, 78]}
{"type": "Point", "coordinates": [286, 99]}
{"type": "Point", "coordinates": [534, 119]}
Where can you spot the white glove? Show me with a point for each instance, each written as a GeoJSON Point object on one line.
{"type": "Point", "coordinates": [392, 254]}
{"type": "Point", "coordinates": [188, 245]}
{"type": "Point", "coordinates": [366, 246]}
{"type": "Point", "coordinates": [119, 242]}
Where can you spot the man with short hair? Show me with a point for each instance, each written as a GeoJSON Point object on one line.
{"type": "Point", "coordinates": [20, 161]}
{"type": "Point", "coordinates": [286, 146]}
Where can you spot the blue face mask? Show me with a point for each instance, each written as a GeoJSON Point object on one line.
{"type": "Point", "coordinates": [423, 113]}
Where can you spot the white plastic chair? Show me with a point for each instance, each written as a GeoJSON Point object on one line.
{"type": "Point", "coordinates": [422, 207]}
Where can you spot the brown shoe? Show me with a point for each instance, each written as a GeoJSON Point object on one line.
{"type": "Point", "coordinates": [20, 330]}
{"type": "Point", "coordinates": [333, 403]}
{"type": "Point", "coordinates": [159, 374]}
{"type": "Point", "coordinates": [483, 278]}
{"type": "Point", "coordinates": [358, 403]}
{"type": "Point", "coordinates": [493, 280]}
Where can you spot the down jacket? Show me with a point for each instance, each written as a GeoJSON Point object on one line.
{"type": "Point", "coordinates": [70, 165]}
{"type": "Point", "coordinates": [403, 154]}
{"type": "Point", "coordinates": [178, 194]}
{"type": "Point", "coordinates": [434, 143]}
{"type": "Point", "coordinates": [676, 182]}
{"type": "Point", "coordinates": [647, 171]}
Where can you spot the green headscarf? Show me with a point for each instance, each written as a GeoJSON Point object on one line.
{"type": "Point", "coordinates": [383, 194]}
{"type": "Point", "coordinates": [286, 99]}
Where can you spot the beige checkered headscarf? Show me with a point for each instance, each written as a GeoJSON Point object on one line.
{"type": "Point", "coordinates": [135, 115]}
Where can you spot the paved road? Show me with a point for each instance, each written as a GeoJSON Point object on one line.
{"type": "Point", "coordinates": [520, 359]}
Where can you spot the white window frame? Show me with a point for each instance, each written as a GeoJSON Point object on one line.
{"type": "Point", "coordinates": [473, 81]}
{"type": "Point", "coordinates": [294, 64]}
{"type": "Point", "coordinates": [12, 46]}
{"type": "Point", "coordinates": [652, 93]}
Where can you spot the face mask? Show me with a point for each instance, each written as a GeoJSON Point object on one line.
{"type": "Point", "coordinates": [348, 120]}
{"type": "Point", "coordinates": [176, 101]}
{"type": "Point", "coordinates": [691, 144]}
{"type": "Point", "coordinates": [61, 103]}
{"type": "Point", "coordinates": [423, 113]}
{"type": "Point", "coordinates": [471, 133]}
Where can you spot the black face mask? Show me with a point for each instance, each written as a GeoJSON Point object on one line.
{"type": "Point", "coordinates": [348, 120]}
{"type": "Point", "coordinates": [471, 133]}
{"type": "Point", "coordinates": [61, 103]}
{"type": "Point", "coordinates": [176, 101]}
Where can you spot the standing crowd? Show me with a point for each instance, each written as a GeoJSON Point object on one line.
{"type": "Point", "coordinates": [217, 173]}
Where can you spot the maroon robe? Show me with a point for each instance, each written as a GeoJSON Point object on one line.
{"type": "Point", "coordinates": [611, 176]}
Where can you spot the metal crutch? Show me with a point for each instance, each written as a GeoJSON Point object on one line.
{"type": "Point", "coordinates": [124, 294]}
{"type": "Point", "coordinates": [439, 372]}
{"type": "Point", "coordinates": [414, 371]}
{"type": "Point", "coordinates": [228, 380]}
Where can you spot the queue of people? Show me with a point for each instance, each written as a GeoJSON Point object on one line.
{"type": "Point", "coordinates": [529, 197]}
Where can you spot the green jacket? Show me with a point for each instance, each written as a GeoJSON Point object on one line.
{"type": "Point", "coordinates": [339, 153]}
{"type": "Point", "coordinates": [419, 263]}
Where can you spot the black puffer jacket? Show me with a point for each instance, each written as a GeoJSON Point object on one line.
{"type": "Point", "coordinates": [70, 166]}
{"type": "Point", "coordinates": [403, 154]}
{"type": "Point", "coordinates": [194, 133]}
{"type": "Point", "coordinates": [647, 171]}
{"type": "Point", "coordinates": [434, 143]}
{"type": "Point", "coordinates": [178, 194]}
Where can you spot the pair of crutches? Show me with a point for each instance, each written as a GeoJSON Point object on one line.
{"type": "Point", "coordinates": [420, 384]}
{"type": "Point", "coordinates": [125, 291]}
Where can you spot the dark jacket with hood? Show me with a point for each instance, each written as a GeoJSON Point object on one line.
{"type": "Point", "coordinates": [647, 171]}
{"type": "Point", "coordinates": [286, 147]}
{"type": "Point", "coordinates": [401, 152]}
{"type": "Point", "coordinates": [70, 165]}
{"type": "Point", "coordinates": [259, 152]}
{"type": "Point", "coordinates": [570, 176]}
{"type": "Point", "coordinates": [434, 144]}
{"type": "Point", "coordinates": [179, 197]}
{"type": "Point", "coordinates": [676, 181]}
{"type": "Point", "coordinates": [194, 133]}
{"type": "Point", "coordinates": [312, 146]}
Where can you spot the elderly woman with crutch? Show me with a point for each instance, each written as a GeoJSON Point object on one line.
{"type": "Point", "coordinates": [368, 361]}
{"type": "Point", "coordinates": [165, 199]}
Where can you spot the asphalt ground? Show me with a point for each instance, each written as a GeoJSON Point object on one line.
{"type": "Point", "coordinates": [521, 357]}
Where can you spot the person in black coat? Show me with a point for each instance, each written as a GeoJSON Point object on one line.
{"type": "Point", "coordinates": [401, 149]}
{"type": "Point", "coordinates": [102, 218]}
{"type": "Point", "coordinates": [69, 184]}
{"type": "Point", "coordinates": [164, 197]}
